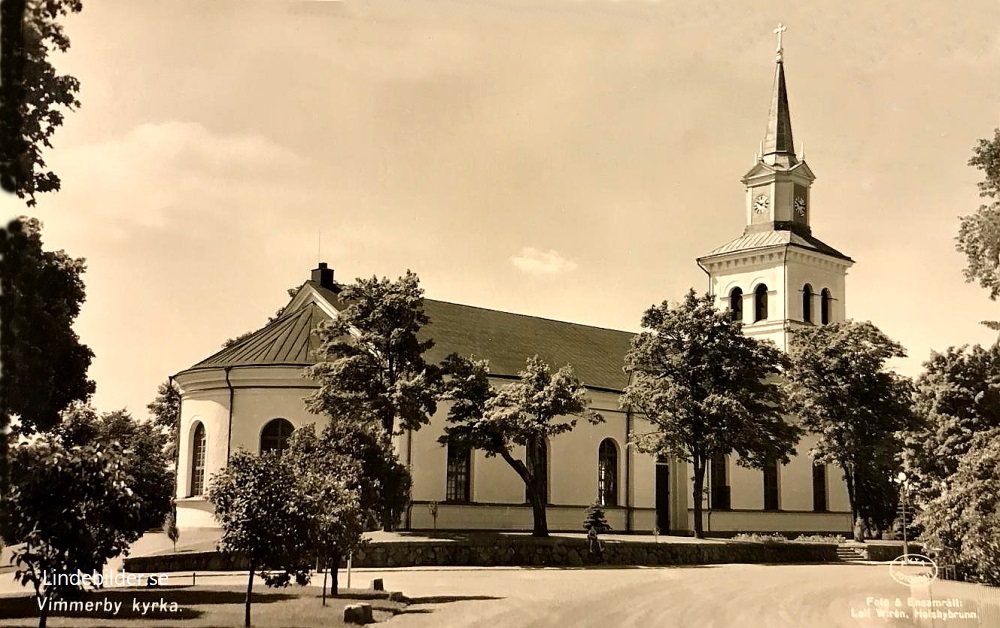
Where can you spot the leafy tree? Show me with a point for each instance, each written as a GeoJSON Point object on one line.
{"type": "Point", "coordinates": [963, 521]}
{"type": "Point", "coordinates": [331, 487]}
{"type": "Point", "coordinates": [140, 446]}
{"type": "Point", "coordinates": [957, 397]}
{"type": "Point", "coordinates": [265, 516]}
{"type": "Point", "coordinates": [842, 391]}
{"type": "Point", "coordinates": [596, 519]}
{"type": "Point", "coordinates": [708, 390]}
{"type": "Point", "coordinates": [979, 233]}
{"type": "Point", "coordinates": [374, 376]}
{"type": "Point", "coordinates": [383, 482]}
{"type": "Point", "coordinates": [44, 362]}
{"type": "Point", "coordinates": [34, 95]}
{"type": "Point", "coordinates": [379, 375]}
{"type": "Point", "coordinates": [525, 413]}
{"type": "Point", "coordinates": [70, 508]}
{"type": "Point", "coordinates": [165, 411]}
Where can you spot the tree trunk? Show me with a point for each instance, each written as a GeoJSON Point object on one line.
{"type": "Point", "coordinates": [246, 618]}
{"type": "Point", "coordinates": [334, 574]}
{"type": "Point", "coordinates": [856, 530]}
{"type": "Point", "coordinates": [325, 574]}
{"type": "Point", "coordinates": [537, 485]}
{"type": "Point", "coordinates": [698, 490]}
{"type": "Point", "coordinates": [43, 614]}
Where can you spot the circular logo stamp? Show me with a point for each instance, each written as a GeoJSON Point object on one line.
{"type": "Point", "coordinates": [913, 569]}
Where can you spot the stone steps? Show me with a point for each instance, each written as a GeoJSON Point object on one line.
{"type": "Point", "coordinates": [849, 554]}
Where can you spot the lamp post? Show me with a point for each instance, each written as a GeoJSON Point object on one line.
{"type": "Point", "coordinates": [904, 485]}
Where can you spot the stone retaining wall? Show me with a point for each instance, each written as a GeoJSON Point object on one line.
{"type": "Point", "coordinates": [523, 553]}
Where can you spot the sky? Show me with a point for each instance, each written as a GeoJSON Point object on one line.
{"type": "Point", "coordinates": [566, 159]}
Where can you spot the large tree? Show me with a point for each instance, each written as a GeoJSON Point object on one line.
{"type": "Point", "coordinates": [44, 363]}
{"type": "Point", "coordinates": [979, 232]}
{"type": "Point", "coordinates": [373, 376]}
{"type": "Point", "coordinates": [70, 508]}
{"type": "Point", "coordinates": [165, 410]}
{"type": "Point", "coordinates": [957, 398]}
{"type": "Point", "coordinates": [525, 413]}
{"type": "Point", "coordinates": [708, 391]}
{"type": "Point", "coordinates": [141, 446]}
{"type": "Point", "coordinates": [33, 95]}
{"type": "Point", "coordinates": [373, 369]}
{"type": "Point", "coordinates": [963, 520]}
{"type": "Point", "coordinates": [266, 517]}
{"type": "Point", "coordinates": [843, 392]}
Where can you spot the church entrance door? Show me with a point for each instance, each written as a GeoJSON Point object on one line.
{"type": "Point", "coordinates": [663, 497]}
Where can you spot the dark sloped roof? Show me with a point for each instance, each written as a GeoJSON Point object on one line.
{"type": "Point", "coordinates": [287, 340]}
{"type": "Point", "coordinates": [507, 340]}
{"type": "Point", "coordinates": [765, 239]}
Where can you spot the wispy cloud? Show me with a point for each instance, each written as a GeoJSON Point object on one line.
{"type": "Point", "coordinates": [535, 262]}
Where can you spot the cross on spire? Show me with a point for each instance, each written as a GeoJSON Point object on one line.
{"type": "Point", "coordinates": [778, 31]}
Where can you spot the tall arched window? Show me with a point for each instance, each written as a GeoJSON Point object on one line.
{"type": "Point", "coordinates": [607, 473]}
{"type": "Point", "coordinates": [719, 495]}
{"type": "Point", "coordinates": [459, 473]}
{"type": "Point", "coordinates": [198, 448]}
{"type": "Point", "coordinates": [736, 304]}
{"type": "Point", "coordinates": [807, 303]}
{"type": "Point", "coordinates": [771, 501]}
{"type": "Point", "coordinates": [824, 306]}
{"type": "Point", "coordinates": [760, 303]}
{"type": "Point", "coordinates": [275, 435]}
{"type": "Point", "coordinates": [819, 487]}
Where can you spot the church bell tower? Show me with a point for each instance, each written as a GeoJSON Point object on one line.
{"type": "Point", "coordinates": [777, 275]}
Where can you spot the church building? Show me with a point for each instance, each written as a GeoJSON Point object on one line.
{"type": "Point", "coordinates": [775, 277]}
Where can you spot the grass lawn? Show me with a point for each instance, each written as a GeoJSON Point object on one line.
{"type": "Point", "coordinates": [198, 606]}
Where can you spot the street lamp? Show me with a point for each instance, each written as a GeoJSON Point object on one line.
{"type": "Point", "coordinates": [904, 485]}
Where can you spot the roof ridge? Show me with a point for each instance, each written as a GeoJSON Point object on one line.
{"type": "Point", "coordinates": [542, 318]}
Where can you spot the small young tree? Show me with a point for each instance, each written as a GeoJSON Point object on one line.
{"type": "Point", "coordinates": [331, 487]}
{"type": "Point", "coordinates": [70, 509]}
{"type": "Point", "coordinates": [264, 515]}
{"type": "Point", "coordinates": [170, 526]}
{"type": "Point", "coordinates": [708, 390]}
{"type": "Point", "coordinates": [525, 414]}
{"type": "Point", "coordinates": [842, 391]}
{"type": "Point", "coordinates": [595, 519]}
{"type": "Point", "coordinates": [374, 374]}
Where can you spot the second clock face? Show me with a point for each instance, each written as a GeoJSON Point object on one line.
{"type": "Point", "coordinates": [760, 204]}
{"type": "Point", "coordinates": [800, 205]}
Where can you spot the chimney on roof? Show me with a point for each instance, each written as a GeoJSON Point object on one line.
{"type": "Point", "coordinates": [324, 276]}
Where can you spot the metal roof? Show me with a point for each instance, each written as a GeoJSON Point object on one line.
{"type": "Point", "coordinates": [765, 239]}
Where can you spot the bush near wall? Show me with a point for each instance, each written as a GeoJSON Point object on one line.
{"type": "Point", "coordinates": [521, 552]}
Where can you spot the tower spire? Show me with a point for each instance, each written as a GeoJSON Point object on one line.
{"type": "Point", "coordinates": [779, 149]}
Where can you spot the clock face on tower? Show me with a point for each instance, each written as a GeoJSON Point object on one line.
{"type": "Point", "coordinates": [800, 205]}
{"type": "Point", "coordinates": [760, 204]}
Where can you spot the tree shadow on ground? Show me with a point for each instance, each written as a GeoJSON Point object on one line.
{"type": "Point", "coordinates": [185, 598]}
{"type": "Point", "coordinates": [446, 599]}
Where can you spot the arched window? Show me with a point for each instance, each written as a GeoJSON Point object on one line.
{"type": "Point", "coordinates": [807, 303]}
{"type": "Point", "coordinates": [819, 487]}
{"type": "Point", "coordinates": [607, 473]}
{"type": "Point", "coordinates": [459, 473]}
{"type": "Point", "coordinates": [719, 496]}
{"type": "Point", "coordinates": [274, 436]}
{"type": "Point", "coordinates": [824, 306]}
{"type": "Point", "coordinates": [760, 303]}
{"type": "Point", "coordinates": [771, 501]}
{"type": "Point", "coordinates": [198, 447]}
{"type": "Point", "coordinates": [736, 304]}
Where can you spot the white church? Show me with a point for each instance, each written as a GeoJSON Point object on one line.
{"type": "Point", "coordinates": [776, 277]}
